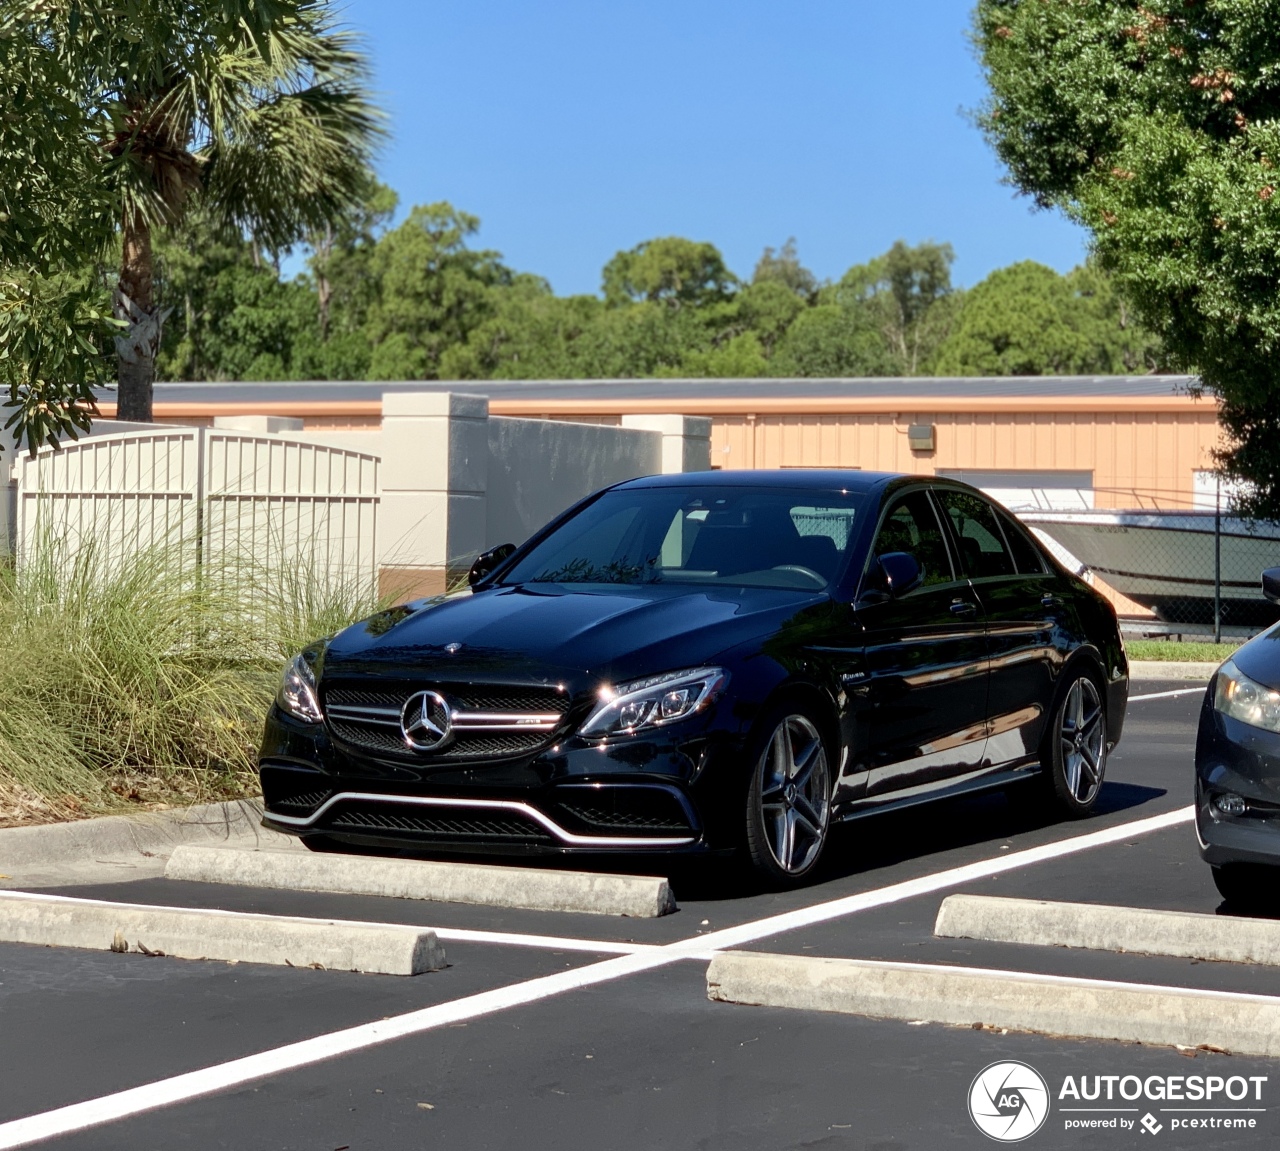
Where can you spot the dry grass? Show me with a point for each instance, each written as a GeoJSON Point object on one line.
{"type": "Point", "coordinates": [129, 681]}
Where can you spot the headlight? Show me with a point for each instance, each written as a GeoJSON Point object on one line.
{"type": "Point", "coordinates": [297, 694]}
{"type": "Point", "coordinates": [1241, 698]}
{"type": "Point", "coordinates": [653, 702]}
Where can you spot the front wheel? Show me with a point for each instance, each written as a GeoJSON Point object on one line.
{"type": "Point", "coordinates": [1247, 887]}
{"type": "Point", "coordinates": [789, 801]}
{"type": "Point", "coordinates": [1075, 751]}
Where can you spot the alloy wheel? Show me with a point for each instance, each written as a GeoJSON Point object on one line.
{"type": "Point", "coordinates": [1081, 741]}
{"type": "Point", "coordinates": [795, 795]}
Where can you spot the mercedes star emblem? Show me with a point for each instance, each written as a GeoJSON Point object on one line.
{"type": "Point", "coordinates": [426, 720]}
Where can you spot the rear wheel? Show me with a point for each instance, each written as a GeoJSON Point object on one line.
{"type": "Point", "coordinates": [1074, 754]}
{"type": "Point", "coordinates": [789, 800]}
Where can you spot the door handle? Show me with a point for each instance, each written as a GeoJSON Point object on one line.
{"type": "Point", "coordinates": [962, 607]}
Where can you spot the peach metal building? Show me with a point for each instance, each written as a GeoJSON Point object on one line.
{"type": "Point", "coordinates": [1104, 441]}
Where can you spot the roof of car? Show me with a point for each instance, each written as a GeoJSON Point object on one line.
{"type": "Point", "coordinates": [819, 479]}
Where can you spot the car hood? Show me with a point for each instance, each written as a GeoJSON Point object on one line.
{"type": "Point", "coordinates": [550, 632]}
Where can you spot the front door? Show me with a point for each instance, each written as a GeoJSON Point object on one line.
{"type": "Point", "coordinates": [926, 662]}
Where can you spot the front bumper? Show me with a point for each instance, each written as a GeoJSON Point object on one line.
{"type": "Point", "coordinates": [1237, 759]}
{"type": "Point", "coordinates": [667, 791]}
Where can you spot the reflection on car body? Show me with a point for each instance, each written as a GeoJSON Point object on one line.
{"type": "Point", "coordinates": [717, 661]}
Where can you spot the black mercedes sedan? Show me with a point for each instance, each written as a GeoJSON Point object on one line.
{"type": "Point", "coordinates": [722, 661]}
{"type": "Point", "coordinates": [1238, 769]}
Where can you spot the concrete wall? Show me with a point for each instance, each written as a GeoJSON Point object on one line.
{"type": "Point", "coordinates": [456, 481]}
{"type": "Point", "coordinates": [537, 468]}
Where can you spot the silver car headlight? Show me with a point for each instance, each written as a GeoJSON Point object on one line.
{"type": "Point", "coordinates": [653, 702]}
{"type": "Point", "coordinates": [1244, 699]}
{"type": "Point", "coordinates": [297, 695]}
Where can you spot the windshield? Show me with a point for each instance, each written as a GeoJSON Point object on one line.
{"type": "Point", "coordinates": [744, 537]}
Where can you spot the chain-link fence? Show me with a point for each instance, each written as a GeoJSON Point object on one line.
{"type": "Point", "coordinates": [1172, 563]}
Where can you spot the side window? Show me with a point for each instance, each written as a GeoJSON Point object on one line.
{"type": "Point", "coordinates": [911, 526]}
{"type": "Point", "coordinates": [982, 548]}
{"type": "Point", "coordinates": [1025, 553]}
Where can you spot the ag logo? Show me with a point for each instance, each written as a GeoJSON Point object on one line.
{"type": "Point", "coordinates": [1008, 1101]}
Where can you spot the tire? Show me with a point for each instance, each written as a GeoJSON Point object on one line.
{"type": "Point", "coordinates": [1074, 752]}
{"type": "Point", "coordinates": [788, 813]}
{"type": "Point", "coordinates": [1247, 887]}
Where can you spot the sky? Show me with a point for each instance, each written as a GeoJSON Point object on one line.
{"type": "Point", "coordinates": [575, 129]}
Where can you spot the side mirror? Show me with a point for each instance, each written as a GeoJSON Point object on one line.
{"type": "Point", "coordinates": [900, 573]}
{"type": "Point", "coordinates": [1271, 584]}
{"type": "Point", "coordinates": [489, 562]}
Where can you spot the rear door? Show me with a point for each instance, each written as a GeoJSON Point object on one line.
{"type": "Point", "coordinates": [1027, 628]}
{"type": "Point", "coordinates": [926, 661]}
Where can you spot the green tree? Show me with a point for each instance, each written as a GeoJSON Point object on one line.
{"type": "Point", "coordinates": [784, 267]}
{"type": "Point", "coordinates": [1115, 342]}
{"type": "Point", "coordinates": [767, 308]}
{"type": "Point", "coordinates": [669, 270]}
{"type": "Point", "coordinates": [341, 258]}
{"type": "Point", "coordinates": [1155, 125]}
{"type": "Point", "coordinates": [907, 294]}
{"type": "Point", "coordinates": [832, 340]}
{"type": "Point", "coordinates": [433, 291]}
{"type": "Point", "coordinates": [57, 219]}
{"type": "Point", "coordinates": [256, 112]}
{"type": "Point", "coordinates": [1016, 322]}
{"type": "Point", "coordinates": [528, 335]}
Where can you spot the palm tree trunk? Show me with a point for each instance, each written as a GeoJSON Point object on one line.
{"type": "Point", "coordinates": [136, 348]}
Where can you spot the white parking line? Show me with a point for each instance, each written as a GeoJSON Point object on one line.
{"type": "Point", "coordinates": [550, 942]}
{"type": "Point", "coordinates": [1168, 694]}
{"type": "Point", "coordinates": [220, 1077]}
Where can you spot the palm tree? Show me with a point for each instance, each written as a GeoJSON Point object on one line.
{"type": "Point", "coordinates": [258, 110]}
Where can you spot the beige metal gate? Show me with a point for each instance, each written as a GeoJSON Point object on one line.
{"type": "Point", "coordinates": [284, 509]}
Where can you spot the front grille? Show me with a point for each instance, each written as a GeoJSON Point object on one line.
{"type": "Point", "coordinates": [444, 825]}
{"type": "Point", "coordinates": [491, 738]}
{"type": "Point", "coordinates": [469, 696]}
{"type": "Point", "coordinates": [462, 746]}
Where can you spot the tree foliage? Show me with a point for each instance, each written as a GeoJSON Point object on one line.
{"type": "Point", "coordinates": [120, 119]}
{"type": "Point", "coordinates": [1157, 126]}
{"type": "Point", "coordinates": [418, 301]}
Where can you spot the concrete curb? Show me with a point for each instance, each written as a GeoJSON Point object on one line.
{"type": "Point", "coordinates": [1189, 935]}
{"type": "Point", "coordinates": [185, 933]}
{"type": "Point", "coordinates": [117, 836]}
{"type": "Point", "coordinates": [1156, 669]}
{"type": "Point", "coordinates": [965, 996]}
{"type": "Point", "coordinates": [639, 896]}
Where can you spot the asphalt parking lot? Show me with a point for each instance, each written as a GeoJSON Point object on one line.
{"type": "Point", "coordinates": [588, 1032]}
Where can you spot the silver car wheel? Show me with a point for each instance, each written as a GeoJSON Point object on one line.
{"type": "Point", "coordinates": [1082, 741]}
{"type": "Point", "coordinates": [795, 794]}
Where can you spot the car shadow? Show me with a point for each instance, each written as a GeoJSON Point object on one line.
{"type": "Point", "coordinates": [857, 847]}
{"type": "Point", "coordinates": [882, 841]}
